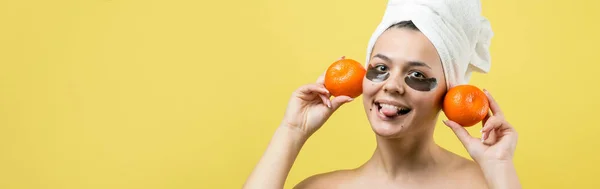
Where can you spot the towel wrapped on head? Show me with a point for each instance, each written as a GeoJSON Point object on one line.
{"type": "Point", "coordinates": [456, 28]}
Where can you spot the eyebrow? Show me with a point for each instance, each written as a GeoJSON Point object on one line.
{"type": "Point", "coordinates": [410, 63]}
{"type": "Point", "coordinates": [417, 64]}
{"type": "Point", "coordinates": [382, 57]}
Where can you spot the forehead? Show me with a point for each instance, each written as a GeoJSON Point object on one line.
{"type": "Point", "coordinates": [404, 45]}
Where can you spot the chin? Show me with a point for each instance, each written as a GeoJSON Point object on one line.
{"type": "Point", "coordinates": [394, 117]}
{"type": "Point", "coordinates": [389, 127]}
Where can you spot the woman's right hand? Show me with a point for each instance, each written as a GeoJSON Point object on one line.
{"type": "Point", "coordinates": [310, 106]}
{"type": "Point", "coordinates": [307, 110]}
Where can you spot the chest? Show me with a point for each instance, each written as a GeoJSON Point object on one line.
{"type": "Point", "coordinates": [448, 183]}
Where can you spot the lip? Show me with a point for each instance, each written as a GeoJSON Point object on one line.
{"type": "Point", "coordinates": [385, 118]}
{"type": "Point", "coordinates": [395, 103]}
{"type": "Point", "coordinates": [391, 102]}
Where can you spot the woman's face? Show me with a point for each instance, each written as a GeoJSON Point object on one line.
{"type": "Point", "coordinates": [404, 85]}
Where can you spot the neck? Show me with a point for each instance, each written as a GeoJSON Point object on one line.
{"type": "Point", "coordinates": [412, 154]}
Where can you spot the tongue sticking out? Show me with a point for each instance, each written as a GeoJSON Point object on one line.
{"type": "Point", "coordinates": [389, 111]}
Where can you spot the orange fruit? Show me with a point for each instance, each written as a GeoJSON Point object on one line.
{"type": "Point", "coordinates": [345, 77]}
{"type": "Point", "coordinates": [465, 105]}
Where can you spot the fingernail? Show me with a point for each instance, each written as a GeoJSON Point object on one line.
{"type": "Point", "coordinates": [350, 100]}
{"type": "Point", "coordinates": [481, 131]}
{"type": "Point", "coordinates": [482, 139]}
{"type": "Point", "coordinates": [329, 104]}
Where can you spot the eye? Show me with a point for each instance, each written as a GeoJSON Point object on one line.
{"type": "Point", "coordinates": [381, 68]}
{"type": "Point", "coordinates": [416, 74]}
{"type": "Point", "coordinates": [378, 73]}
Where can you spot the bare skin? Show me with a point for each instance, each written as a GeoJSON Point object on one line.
{"type": "Point", "coordinates": [406, 155]}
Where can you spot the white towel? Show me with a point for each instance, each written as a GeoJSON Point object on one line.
{"type": "Point", "coordinates": [456, 28]}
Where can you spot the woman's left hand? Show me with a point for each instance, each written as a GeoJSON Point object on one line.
{"type": "Point", "coordinates": [498, 142]}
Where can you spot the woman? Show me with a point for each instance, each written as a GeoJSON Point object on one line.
{"type": "Point", "coordinates": [402, 96]}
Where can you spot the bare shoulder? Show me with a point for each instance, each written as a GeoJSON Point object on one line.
{"type": "Point", "coordinates": [332, 179]}
{"type": "Point", "coordinates": [468, 173]}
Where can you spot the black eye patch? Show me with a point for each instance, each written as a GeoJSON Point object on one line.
{"type": "Point", "coordinates": [421, 84]}
{"type": "Point", "coordinates": [376, 74]}
{"type": "Point", "coordinates": [381, 73]}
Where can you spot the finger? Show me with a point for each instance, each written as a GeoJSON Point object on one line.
{"type": "Point", "coordinates": [463, 135]}
{"type": "Point", "coordinates": [339, 101]}
{"type": "Point", "coordinates": [311, 89]}
{"type": "Point", "coordinates": [505, 129]}
{"type": "Point", "coordinates": [342, 58]}
{"type": "Point", "coordinates": [485, 119]}
{"type": "Point", "coordinates": [325, 100]}
{"type": "Point", "coordinates": [491, 137]}
{"type": "Point", "coordinates": [321, 79]}
{"type": "Point", "coordinates": [498, 125]}
{"type": "Point", "coordinates": [493, 104]}
{"type": "Point", "coordinates": [491, 123]}
{"type": "Point", "coordinates": [508, 137]}
{"type": "Point", "coordinates": [324, 97]}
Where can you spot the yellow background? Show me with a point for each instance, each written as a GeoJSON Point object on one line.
{"type": "Point", "coordinates": [186, 94]}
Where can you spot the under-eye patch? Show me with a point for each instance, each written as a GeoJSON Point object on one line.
{"type": "Point", "coordinates": [420, 84]}
{"type": "Point", "coordinates": [377, 73]}
{"type": "Point", "coordinates": [381, 73]}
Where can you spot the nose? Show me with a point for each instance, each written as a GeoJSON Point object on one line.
{"type": "Point", "coordinates": [394, 85]}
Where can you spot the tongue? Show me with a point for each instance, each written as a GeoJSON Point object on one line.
{"type": "Point", "coordinates": [389, 111]}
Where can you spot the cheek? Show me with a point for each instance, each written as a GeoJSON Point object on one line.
{"type": "Point", "coordinates": [427, 104]}
{"type": "Point", "coordinates": [369, 91]}
{"type": "Point", "coordinates": [440, 92]}
{"type": "Point", "coordinates": [366, 86]}
{"type": "Point", "coordinates": [370, 88]}
{"type": "Point", "coordinates": [432, 101]}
